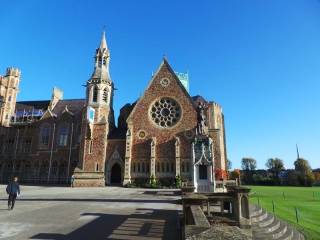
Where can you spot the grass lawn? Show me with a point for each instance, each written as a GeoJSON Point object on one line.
{"type": "Point", "coordinates": [286, 199]}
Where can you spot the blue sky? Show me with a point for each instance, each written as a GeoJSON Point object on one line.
{"type": "Point", "coordinates": [259, 59]}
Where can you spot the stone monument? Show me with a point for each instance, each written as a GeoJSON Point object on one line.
{"type": "Point", "coordinates": [203, 159]}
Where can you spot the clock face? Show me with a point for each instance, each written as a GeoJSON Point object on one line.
{"type": "Point", "coordinates": [90, 114]}
{"type": "Point", "coordinates": [165, 112]}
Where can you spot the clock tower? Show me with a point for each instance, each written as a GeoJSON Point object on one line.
{"type": "Point", "coordinates": [97, 121]}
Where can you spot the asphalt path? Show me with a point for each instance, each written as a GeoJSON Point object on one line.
{"type": "Point", "coordinates": [62, 213]}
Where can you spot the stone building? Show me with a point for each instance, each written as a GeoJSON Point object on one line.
{"type": "Point", "coordinates": [8, 94]}
{"type": "Point", "coordinates": [49, 141]}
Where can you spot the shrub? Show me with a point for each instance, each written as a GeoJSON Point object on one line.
{"type": "Point", "coordinates": [130, 185]}
{"type": "Point", "coordinates": [140, 182]}
{"type": "Point", "coordinates": [178, 182]}
{"type": "Point", "coordinates": [165, 182]}
{"type": "Point", "coordinates": [220, 174]}
{"type": "Point", "coordinates": [261, 180]}
{"type": "Point", "coordinates": [153, 182]}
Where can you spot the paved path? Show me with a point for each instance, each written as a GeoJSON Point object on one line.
{"type": "Point", "coordinates": [59, 213]}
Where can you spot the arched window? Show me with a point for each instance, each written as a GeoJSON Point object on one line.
{"type": "Point", "coordinates": [182, 167]}
{"type": "Point", "coordinates": [143, 167]}
{"type": "Point", "coordinates": [54, 168]}
{"type": "Point", "coordinates": [2, 143]}
{"type": "Point", "coordinates": [90, 149]}
{"type": "Point", "coordinates": [44, 135]}
{"type": "Point", "coordinates": [95, 94]}
{"type": "Point", "coordinates": [105, 95]}
{"type": "Point", "coordinates": [97, 167]}
{"type": "Point", "coordinates": [26, 145]}
{"type": "Point", "coordinates": [63, 136]}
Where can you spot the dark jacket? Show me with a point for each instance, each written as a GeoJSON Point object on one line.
{"type": "Point", "coordinates": [13, 188]}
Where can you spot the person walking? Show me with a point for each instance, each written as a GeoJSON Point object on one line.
{"type": "Point", "coordinates": [13, 190]}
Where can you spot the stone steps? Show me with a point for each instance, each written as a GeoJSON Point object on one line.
{"type": "Point", "coordinates": [287, 236]}
{"type": "Point", "coordinates": [280, 231]}
{"type": "Point", "coordinates": [266, 226]}
{"type": "Point", "coordinates": [255, 211]}
{"type": "Point", "coordinates": [267, 222]}
{"type": "Point", "coordinates": [259, 218]}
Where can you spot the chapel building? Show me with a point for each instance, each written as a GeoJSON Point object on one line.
{"type": "Point", "coordinates": [53, 140]}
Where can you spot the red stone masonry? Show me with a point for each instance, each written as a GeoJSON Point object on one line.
{"type": "Point", "coordinates": [165, 137]}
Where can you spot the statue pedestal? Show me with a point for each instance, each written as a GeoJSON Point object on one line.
{"type": "Point", "coordinates": [203, 169]}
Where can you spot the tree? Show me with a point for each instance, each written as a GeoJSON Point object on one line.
{"type": "Point", "coordinates": [229, 164]}
{"type": "Point", "coordinates": [248, 164]}
{"type": "Point", "coordinates": [309, 179]}
{"type": "Point", "coordinates": [301, 165]}
{"type": "Point", "coordinates": [292, 179]}
{"type": "Point", "coordinates": [220, 174]}
{"type": "Point", "coordinates": [317, 178]}
{"type": "Point", "coordinates": [235, 174]}
{"type": "Point", "coordinates": [304, 172]}
{"type": "Point", "coordinates": [275, 166]}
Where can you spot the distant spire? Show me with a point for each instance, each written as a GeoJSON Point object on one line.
{"type": "Point", "coordinates": [103, 43]}
{"type": "Point", "coordinates": [298, 155]}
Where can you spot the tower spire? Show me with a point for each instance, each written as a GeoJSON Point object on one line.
{"type": "Point", "coordinates": [103, 43]}
{"type": "Point", "coordinates": [102, 59]}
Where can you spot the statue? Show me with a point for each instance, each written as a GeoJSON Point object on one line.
{"type": "Point", "coordinates": [201, 118]}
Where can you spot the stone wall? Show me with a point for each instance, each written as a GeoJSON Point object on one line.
{"type": "Point", "coordinates": [22, 152]}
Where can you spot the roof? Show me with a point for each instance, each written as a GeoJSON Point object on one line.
{"type": "Point", "coordinates": [74, 106]}
{"type": "Point", "coordinates": [164, 63]}
{"type": "Point", "coordinates": [26, 105]}
{"type": "Point", "coordinates": [198, 99]}
{"type": "Point", "coordinates": [118, 133]}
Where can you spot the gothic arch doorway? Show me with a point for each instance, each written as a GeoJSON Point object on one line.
{"type": "Point", "coordinates": [115, 174]}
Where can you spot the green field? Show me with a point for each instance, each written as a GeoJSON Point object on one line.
{"type": "Point", "coordinates": [286, 199]}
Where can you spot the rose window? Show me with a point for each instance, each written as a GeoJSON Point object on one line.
{"type": "Point", "coordinates": [165, 112]}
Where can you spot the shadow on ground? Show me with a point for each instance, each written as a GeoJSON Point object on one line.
{"type": "Point", "coordinates": [144, 224]}
{"type": "Point", "coordinates": [96, 200]}
{"type": "Point", "coordinates": [163, 193]}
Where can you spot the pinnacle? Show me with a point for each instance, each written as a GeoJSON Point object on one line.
{"type": "Point", "coordinates": [103, 43]}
